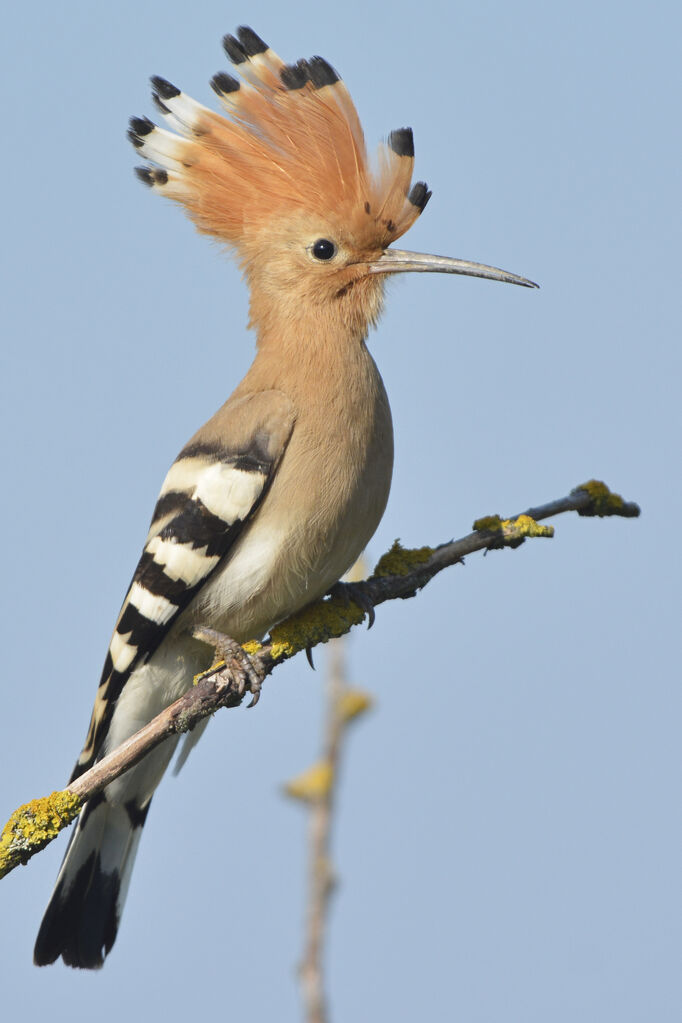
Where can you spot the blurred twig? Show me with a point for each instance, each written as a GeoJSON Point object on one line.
{"type": "Point", "coordinates": [317, 787]}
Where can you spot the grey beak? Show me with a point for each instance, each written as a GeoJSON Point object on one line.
{"type": "Point", "coordinates": [393, 261]}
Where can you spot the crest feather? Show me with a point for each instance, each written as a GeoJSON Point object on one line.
{"type": "Point", "coordinates": [292, 140]}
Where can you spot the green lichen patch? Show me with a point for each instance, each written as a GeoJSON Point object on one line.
{"type": "Point", "coordinates": [401, 560]}
{"type": "Point", "coordinates": [604, 502]}
{"type": "Point", "coordinates": [488, 523]}
{"type": "Point", "coordinates": [34, 825]}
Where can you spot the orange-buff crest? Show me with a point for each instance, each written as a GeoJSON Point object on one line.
{"type": "Point", "coordinates": [292, 143]}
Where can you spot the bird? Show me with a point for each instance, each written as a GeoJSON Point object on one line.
{"type": "Point", "coordinates": [274, 498]}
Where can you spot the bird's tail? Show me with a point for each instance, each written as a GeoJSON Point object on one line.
{"type": "Point", "coordinates": [81, 920]}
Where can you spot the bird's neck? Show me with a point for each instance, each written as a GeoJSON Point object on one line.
{"type": "Point", "coordinates": [316, 355]}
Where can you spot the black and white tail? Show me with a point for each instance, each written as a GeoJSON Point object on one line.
{"type": "Point", "coordinates": [83, 914]}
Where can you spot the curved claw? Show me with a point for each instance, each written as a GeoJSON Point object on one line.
{"type": "Point", "coordinates": [255, 695]}
{"type": "Point", "coordinates": [354, 592]}
{"type": "Point", "coordinates": [309, 655]}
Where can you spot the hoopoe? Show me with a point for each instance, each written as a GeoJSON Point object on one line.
{"type": "Point", "coordinates": [277, 494]}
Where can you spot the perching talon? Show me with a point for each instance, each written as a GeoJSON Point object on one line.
{"type": "Point", "coordinates": [236, 657]}
{"type": "Point", "coordinates": [354, 592]}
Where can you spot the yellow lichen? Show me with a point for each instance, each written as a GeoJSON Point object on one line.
{"type": "Point", "coordinates": [510, 532]}
{"type": "Point", "coordinates": [313, 784]}
{"type": "Point", "coordinates": [252, 646]}
{"type": "Point", "coordinates": [401, 560]}
{"type": "Point", "coordinates": [513, 529]}
{"type": "Point", "coordinates": [604, 501]}
{"type": "Point", "coordinates": [317, 623]}
{"type": "Point", "coordinates": [34, 825]}
{"type": "Point", "coordinates": [216, 666]}
{"type": "Point", "coordinates": [524, 525]}
{"type": "Point", "coordinates": [352, 703]}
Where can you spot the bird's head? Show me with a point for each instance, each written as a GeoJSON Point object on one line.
{"type": "Point", "coordinates": [286, 182]}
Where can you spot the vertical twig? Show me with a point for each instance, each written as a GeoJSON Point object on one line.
{"type": "Point", "coordinates": [318, 788]}
{"type": "Point", "coordinates": [320, 869]}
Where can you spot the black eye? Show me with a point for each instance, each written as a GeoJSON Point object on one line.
{"type": "Point", "coordinates": [323, 249]}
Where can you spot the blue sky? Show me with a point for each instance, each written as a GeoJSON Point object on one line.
{"type": "Point", "coordinates": [509, 835]}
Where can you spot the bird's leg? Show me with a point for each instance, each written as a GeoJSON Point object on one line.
{"type": "Point", "coordinates": [230, 651]}
{"type": "Point", "coordinates": [354, 592]}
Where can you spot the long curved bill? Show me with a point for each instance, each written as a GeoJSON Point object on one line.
{"type": "Point", "coordinates": [394, 261]}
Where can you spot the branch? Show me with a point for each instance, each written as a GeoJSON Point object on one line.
{"type": "Point", "coordinates": [317, 787]}
{"type": "Point", "coordinates": [399, 574]}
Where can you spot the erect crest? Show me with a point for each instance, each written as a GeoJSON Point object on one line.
{"type": "Point", "coordinates": [292, 142]}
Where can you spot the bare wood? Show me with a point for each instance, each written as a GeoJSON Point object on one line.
{"type": "Point", "coordinates": [320, 865]}
{"type": "Point", "coordinates": [399, 574]}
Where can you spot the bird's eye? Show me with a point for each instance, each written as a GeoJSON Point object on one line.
{"type": "Point", "coordinates": [323, 249]}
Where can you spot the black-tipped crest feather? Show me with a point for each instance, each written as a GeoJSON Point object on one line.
{"type": "Point", "coordinates": [234, 49]}
{"type": "Point", "coordinates": [145, 175]}
{"type": "Point", "coordinates": [224, 84]}
{"type": "Point", "coordinates": [139, 127]}
{"type": "Point", "coordinates": [292, 138]}
{"type": "Point", "coordinates": [321, 72]}
{"type": "Point", "coordinates": [165, 89]}
{"type": "Point", "coordinates": [294, 76]}
{"type": "Point", "coordinates": [251, 43]}
{"type": "Point", "coordinates": [402, 142]}
{"type": "Point", "coordinates": [419, 195]}
{"type": "Point", "coordinates": [159, 104]}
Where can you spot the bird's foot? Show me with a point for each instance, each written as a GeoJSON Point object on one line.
{"type": "Point", "coordinates": [354, 592]}
{"type": "Point", "coordinates": [236, 658]}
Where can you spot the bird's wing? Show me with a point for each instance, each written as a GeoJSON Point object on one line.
{"type": "Point", "coordinates": [211, 491]}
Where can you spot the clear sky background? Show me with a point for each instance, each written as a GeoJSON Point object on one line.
{"type": "Point", "coordinates": [509, 832]}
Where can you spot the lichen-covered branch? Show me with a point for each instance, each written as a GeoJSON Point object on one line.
{"type": "Point", "coordinates": [399, 574]}
{"type": "Point", "coordinates": [34, 825]}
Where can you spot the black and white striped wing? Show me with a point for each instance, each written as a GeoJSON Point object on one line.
{"type": "Point", "coordinates": [207, 497]}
